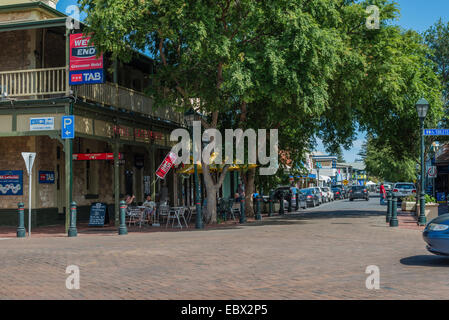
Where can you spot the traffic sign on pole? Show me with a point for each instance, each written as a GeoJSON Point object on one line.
{"type": "Point", "coordinates": [68, 127]}
{"type": "Point", "coordinates": [436, 132]}
{"type": "Point", "coordinates": [29, 161]}
{"type": "Point", "coordinates": [432, 172]}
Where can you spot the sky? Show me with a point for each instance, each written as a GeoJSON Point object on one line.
{"type": "Point", "coordinates": [418, 15]}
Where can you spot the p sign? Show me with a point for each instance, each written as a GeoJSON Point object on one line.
{"type": "Point", "coordinates": [68, 127]}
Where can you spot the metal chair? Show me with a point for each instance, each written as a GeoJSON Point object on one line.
{"type": "Point", "coordinates": [133, 214]}
{"type": "Point", "coordinates": [164, 211]}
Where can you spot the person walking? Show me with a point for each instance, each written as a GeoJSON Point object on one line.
{"type": "Point", "coordinates": [382, 194]}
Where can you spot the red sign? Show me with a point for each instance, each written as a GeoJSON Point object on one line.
{"type": "Point", "coordinates": [166, 165]}
{"type": "Point", "coordinates": [95, 156]}
{"type": "Point", "coordinates": [83, 56]}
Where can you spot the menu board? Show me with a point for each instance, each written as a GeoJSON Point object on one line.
{"type": "Point", "coordinates": [97, 214]}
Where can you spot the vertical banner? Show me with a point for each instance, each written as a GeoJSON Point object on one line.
{"type": "Point", "coordinates": [85, 67]}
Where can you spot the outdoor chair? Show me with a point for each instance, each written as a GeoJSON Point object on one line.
{"type": "Point", "coordinates": [164, 211]}
{"type": "Point", "coordinates": [133, 214]}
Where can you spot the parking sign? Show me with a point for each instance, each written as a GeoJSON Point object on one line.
{"type": "Point", "coordinates": [68, 127]}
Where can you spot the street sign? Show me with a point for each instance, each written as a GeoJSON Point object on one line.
{"type": "Point", "coordinates": [95, 156]}
{"type": "Point", "coordinates": [68, 127]}
{"type": "Point", "coordinates": [45, 123]}
{"type": "Point", "coordinates": [86, 77]}
{"type": "Point", "coordinates": [345, 182]}
{"type": "Point", "coordinates": [29, 161]}
{"type": "Point", "coordinates": [318, 165]}
{"type": "Point", "coordinates": [166, 165]}
{"type": "Point", "coordinates": [432, 172]}
{"type": "Point", "coordinates": [436, 132]}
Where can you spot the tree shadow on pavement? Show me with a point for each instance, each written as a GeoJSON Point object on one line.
{"type": "Point", "coordinates": [426, 261]}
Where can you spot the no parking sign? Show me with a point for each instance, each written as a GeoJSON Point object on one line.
{"type": "Point", "coordinates": [432, 172]}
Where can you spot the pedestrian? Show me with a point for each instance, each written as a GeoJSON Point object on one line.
{"type": "Point", "coordinates": [382, 194]}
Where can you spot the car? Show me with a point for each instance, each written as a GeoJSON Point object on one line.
{"type": "Point", "coordinates": [343, 189]}
{"type": "Point", "coordinates": [293, 192]}
{"type": "Point", "coordinates": [436, 235]}
{"type": "Point", "coordinates": [330, 194]}
{"type": "Point", "coordinates": [404, 189]}
{"type": "Point", "coordinates": [312, 197]}
{"type": "Point", "coordinates": [358, 192]}
{"type": "Point", "coordinates": [338, 194]}
{"type": "Point", "coordinates": [320, 194]}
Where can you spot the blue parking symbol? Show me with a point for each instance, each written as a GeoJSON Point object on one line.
{"type": "Point", "coordinates": [68, 127]}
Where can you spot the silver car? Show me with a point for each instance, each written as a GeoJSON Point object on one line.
{"type": "Point", "coordinates": [404, 189]}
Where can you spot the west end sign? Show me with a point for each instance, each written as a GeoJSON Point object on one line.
{"type": "Point", "coordinates": [85, 66]}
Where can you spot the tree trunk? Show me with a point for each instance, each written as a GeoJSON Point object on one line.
{"type": "Point", "coordinates": [248, 178]}
{"type": "Point", "coordinates": [212, 189]}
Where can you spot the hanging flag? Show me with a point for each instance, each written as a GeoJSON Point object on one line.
{"type": "Point", "coordinates": [166, 165]}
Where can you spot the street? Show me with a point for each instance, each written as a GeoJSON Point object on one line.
{"type": "Point", "coordinates": [320, 253]}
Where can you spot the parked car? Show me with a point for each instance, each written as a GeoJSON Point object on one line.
{"type": "Point", "coordinates": [358, 192]}
{"type": "Point", "coordinates": [293, 192]}
{"type": "Point", "coordinates": [330, 194]}
{"type": "Point", "coordinates": [321, 197]}
{"type": "Point", "coordinates": [436, 235]}
{"type": "Point", "coordinates": [404, 189]}
{"type": "Point", "coordinates": [312, 196]}
{"type": "Point", "coordinates": [338, 194]}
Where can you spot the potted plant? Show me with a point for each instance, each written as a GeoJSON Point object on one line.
{"type": "Point", "coordinates": [431, 209]}
{"type": "Point", "coordinates": [409, 203]}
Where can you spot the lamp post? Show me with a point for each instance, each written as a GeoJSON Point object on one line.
{"type": "Point", "coordinates": [190, 116]}
{"type": "Point", "coordinates": [422, 106]}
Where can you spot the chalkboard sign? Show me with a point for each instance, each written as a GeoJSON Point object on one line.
{"type": "Point", "coordinates": [97, 214]}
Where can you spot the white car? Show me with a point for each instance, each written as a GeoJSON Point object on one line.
{"type": "Point", "coordinates": [330, 194]}
{"type": "Point", "coordinates": [404, 189]}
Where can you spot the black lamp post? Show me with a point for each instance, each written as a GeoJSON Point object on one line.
{"type": "Point", "coordinates": [422, 106]}
{"type": "Point", "coordinates": [190, 116]}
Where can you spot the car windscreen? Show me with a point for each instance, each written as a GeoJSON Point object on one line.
{"type": "Point", "coordinates": [405, 186]}
{"type": "Point", "coordinates": [358, 188]}
{"type": "Point", "coordinates": [307, 191]}
{"type": "Point", "coordinates": [336, 189]}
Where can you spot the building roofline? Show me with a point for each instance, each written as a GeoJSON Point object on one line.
{"type": "Point", "coordinates": [32, 5]}
{"type": "Point", "coordinates": [34, 24]}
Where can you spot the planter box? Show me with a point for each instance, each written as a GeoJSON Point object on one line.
{"type": "Point", "coordinates": [431, 211]}
{"type": "Point", "coordinates": [408, 206]}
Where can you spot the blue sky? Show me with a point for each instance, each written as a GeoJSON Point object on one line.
{"type": "Point", "coordinates": [415, 14]}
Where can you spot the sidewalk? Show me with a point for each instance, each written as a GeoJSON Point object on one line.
{"type": "Point", "coordinates": [110, 230]}
{"type": "Point", "coordinates": [408, 220]}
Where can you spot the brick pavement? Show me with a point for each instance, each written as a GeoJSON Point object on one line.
{"type": "Point", "coordinates": [318, 254]}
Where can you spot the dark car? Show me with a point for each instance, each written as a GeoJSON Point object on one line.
{"type": "Point", "coordinates": [312, 197]}
{"type": "Point", "coordinates": [344, 190]}
{"type": "Point", "coordinates": [358, 192]}
{"type": "Point", "coordinates": [291, 193]}
{"type": "Point", "coordinates": [338, 193]}
{"type": "Point", "coordinates": [436, 235]}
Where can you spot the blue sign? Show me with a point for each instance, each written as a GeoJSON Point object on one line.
{"type": "Point", "coordinates": [441, 197]}
{"type": "Point", "coordinates": [68, 127]}
{"type": "Point", "coordinates": [436, 132]}
{"type": "Point", "coordinates": [97, 214]}
{"type": "Point", "coordinates": [47, 123]}
{"type": "Point", "coordinates": [46, 177]}
{"type": "Point", "coordinates": [86, 77]}
{"type": "Point", "coordinates": [11, 183]}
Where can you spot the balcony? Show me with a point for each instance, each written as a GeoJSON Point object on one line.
{"type": "Point", "coordinates": [51, 82]}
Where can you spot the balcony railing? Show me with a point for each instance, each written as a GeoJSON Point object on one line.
{"type": "Point", "coordinates": [36, 82]}
{"type": "Point", "coordinates": [43, 83]}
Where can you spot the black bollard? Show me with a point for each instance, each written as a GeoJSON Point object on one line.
{"type": "Point", "coordinates": [72, 229]}
{"type": "Point", "coordinates": [21, 233]}
{"type": "Point", "coordinates": [122, 230]}
{"type": "Point", "coordinates": [258, 200]}
{"type": "Point", "coordinates": [389, 206]}
{"type": "Point", "coordinates": [394, 213]}
{"type": "Point", "coordinates": [242, 210]}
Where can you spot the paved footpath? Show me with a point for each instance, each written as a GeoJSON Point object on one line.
{"type": "Point", "coordinates": [320, 253]}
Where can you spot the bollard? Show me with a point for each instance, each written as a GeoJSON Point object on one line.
{"type": "Point", "coordinates": [270, 203]}
{"type": "Point", "coordinates": [21, 233]}
{"type": "Point", "coordinates": [242, 210]}
{"type": "Point", "coordinates": [72, 229]}
{"type": "Point", "coordinates": [290, 207]}
{"type": "Point", "coordinates": [122, 229]}
{"type": "Point", "coordinates": [389, 206]}
{"type": "Point", "coordinates": [394, 213]}
{"type": "Point", "coordinates": [281, 204]}
{"type": "Point", "coordinates": [297, 201]}
{"type": "Point", "coordinates": [258, 200]}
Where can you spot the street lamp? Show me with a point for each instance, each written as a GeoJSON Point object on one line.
{"type": "Point", "coordinates": [422, 106]}
{"type": "Point", "coordinates": [190, 116]}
